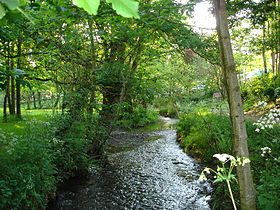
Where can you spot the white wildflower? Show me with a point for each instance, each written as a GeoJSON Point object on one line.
{"type": "Point", "coordinates": [223, 157]}
{"type": "Point", "coordinates": [207, 170]}
{"type": "Point", "coordinates": [265, 150]}
{"type": "Point", "coordinates": [202, 177]}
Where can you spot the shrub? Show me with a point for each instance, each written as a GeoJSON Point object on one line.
{"type": "Point", "coordinates": [27, 172]}
{"type": "Point", "coordinates": [70, 146]}
{"type": "Point", "coordinates": [204, 135]}
{"type": "Point", "coordinates": [138, 117]}
{"type": "Point", "coordinates": [33, 164]}
{"type": "Point", "coordinates": [264, 88]}
{"type": "Point", "coordinates": [169, 111]}
{"type": "Point", "coordinates": [265, 165]}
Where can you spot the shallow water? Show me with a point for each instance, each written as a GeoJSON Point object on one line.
{"type": "Point", "coordinates": [140, 171]}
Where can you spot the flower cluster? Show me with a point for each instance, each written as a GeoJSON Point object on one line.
{"type": "Point", "coordinates": [223, 157]}
{"type": "Point", "coordinates": [222, 173]}
{"type": "Point", "coordinates": [268, 120]}
{"type": "Point", "coordinates": [265, 150]}
{"type": "Point", "coordinates": [261, 104]}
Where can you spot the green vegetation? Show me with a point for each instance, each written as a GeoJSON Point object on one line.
{"type": "Point", "coordinates": [263, 88]}
{"type": "Point", "coordinates": [203, 134]}
{"type": "Point", "coordinates": [139, 117]}
{"type": "Point", "coordinates": [34, 159]}
{"type": "Point", "coordinates": [72, 71]}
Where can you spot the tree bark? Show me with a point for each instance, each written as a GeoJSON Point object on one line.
{"type": "Point", "coordinates": [240, 147]}
{"type": "Point", "coordinates": [40, 100]}
{"type": "Point", "coordinates": [18, 89]}
{"type": "Point", "coordinates": [13, 96]}
{"type": "Point", "coordinates": [273, 63]}
{"type": "Point", "coordinates": [18, 107]}
{"type": "Point", "coordinates": [264, 50]}
{"type": "Point", "coordinates": [8, 94]}
{"type": "Point", "coordinates": [34, 100]}
{"type": "Point", "coordinates": [5, 108]}
{"type": "Point", "coordinates": [28, 101]}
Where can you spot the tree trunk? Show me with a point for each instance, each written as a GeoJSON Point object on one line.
{"type": "Point", "coordinates": [34, 100]}
{"type": "Point", "coordinates": [19, 66]}
{"type": "Point", "coordinates": [8, 94]}
{"type": "Point", "coordinates": [18, 99]}
{"type": "Point", "coordinates": [264, 50]}
{"type": "Point", "coordinates": [246, 187]}
{"type": "Point", "coordinates": [13, 96]}
{"type": "Point", "coordinates": [273, 63]}
{"type": "Point", "coordinates": [92, 71]}
{"type": "Point", "coordinates": [28, 101]}
{"type": "Point", "coordinates": [5, 108]}
{"type": "Point", "coordinates": [40, 100]}
{"type": "Point", "coordinates": [277, 66]}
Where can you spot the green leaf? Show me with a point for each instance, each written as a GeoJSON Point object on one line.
{"type": "Point", "coordinates": [11, 4]}
{"type": "Point", "coordinates": [218, 180]}
{"type": "Point", "coordinates": [2, 11]}
{"type": "Point", "coordinates": [232, 177]}
{"type": "Point", "coordinates": [91, 6]}
{"type": "Point", "coordinates": [125, 8]}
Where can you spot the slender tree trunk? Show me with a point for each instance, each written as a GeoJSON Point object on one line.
{"type": "Point", "coordinates": [19, 66]}
{"type": "Point", "coordinates": [8, 88]}
{"type": "Point", "coordinates": [13, 88]}
{"type": "Point", "coordinates": [13, 96]}
{"type": "Point", "coordinates": [246, 186]}
{"type": "Point", "coordinates": [28, 101]}
{"type": "Point", "coordinates": [92, 70]}
{"type": "Point", "coordinates": [18, 99]}
{"type": "Point", "coordinates": [5, 108]}
{"type": "Point", "coordinates": [277, 62]}
{"type": "Point", "coordinates": [273, 63]}
{"type": "Point", "coordinates": [34, 100]}
{"type": "Point", "coordinates": [40, 100]}
{"type": "Point", "coordinates": [264, 50]}
{"type": "Point", "coordinates": [8, 94]}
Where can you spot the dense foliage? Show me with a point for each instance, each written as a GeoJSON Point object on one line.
{"type": "Point", "coordinates": [263, 88]}
{"type": "Point", "coordinates": [100, 71]}
{"type": "Point", "coordinates": [33, 163]}
{"type": "Point", "coordinates": [203, 134]}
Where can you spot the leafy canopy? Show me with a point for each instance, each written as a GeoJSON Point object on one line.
{"type": "Point", "coordinates": [125, 8]}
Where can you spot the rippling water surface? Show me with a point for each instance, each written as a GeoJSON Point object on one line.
{"type": "Point", "coordinates": [141, 171]}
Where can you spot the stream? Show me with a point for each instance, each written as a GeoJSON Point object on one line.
{"type": "Point", "coordinates": [141, 170]}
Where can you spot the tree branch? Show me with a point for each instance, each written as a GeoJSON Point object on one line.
{"type": "Point", "coordinates": [22, 55]}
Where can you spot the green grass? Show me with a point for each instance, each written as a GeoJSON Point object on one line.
{"type": "Point", "coordinates": [17, 126]}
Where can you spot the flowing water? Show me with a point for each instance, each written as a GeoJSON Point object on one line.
{"type": "Point", "coordinates": [140, 171]}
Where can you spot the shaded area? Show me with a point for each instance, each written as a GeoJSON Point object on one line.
{"type": "Point", "coordinates": [150, 175]}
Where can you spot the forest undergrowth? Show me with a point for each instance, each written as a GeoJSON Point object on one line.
{"type": "Point", "coordinates": [203, 134]}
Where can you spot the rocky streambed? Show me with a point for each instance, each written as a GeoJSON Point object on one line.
{"type": "Point", "coordinates": [141, 170]}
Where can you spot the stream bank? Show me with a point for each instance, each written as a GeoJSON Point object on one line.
{"type": "Point", "coordinates": [141, 170]}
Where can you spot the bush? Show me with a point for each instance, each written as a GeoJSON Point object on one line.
{"type": "Point", "coordinates": [138, 117]}
{"type": "Point", "coordinates": [266, 166]}
{"type": "Point", "coordinates": [204, 135]}
{"type": "Point", "coordinates": [169, 111]}
{"type": "Point", "coordinates": [264, 88]}
{"type": "Point", "coordinates": [70, 146]}
{"type": "Point", "coordinates": [33, 164]}
{"type": "Point", "coordinates": [27, 175]}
